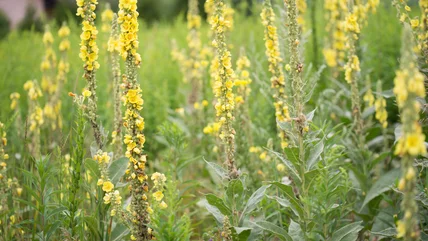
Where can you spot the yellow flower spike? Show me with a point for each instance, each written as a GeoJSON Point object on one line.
{"type": "Point", "coordinates": [411, 143]}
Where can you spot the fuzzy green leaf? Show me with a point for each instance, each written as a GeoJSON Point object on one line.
{"type": "Point", "coordinates": [314, 155]}
{"type": "Point", "coordinates": [382, 185]}
{"type": "Point", "coordinates": [273, 229]}
{"type": "Point", "coordinates": [289, 194]}
{"type": "Point", "coordinates": [255, 198]}
{"type": "Point", "coordinates": [218, 203]}
{"type": "Point", "coordinates": [220, 171]}
{"type": "Point", "coordinates": [347, 232]}
{"type": "Point", "coordinates": [117, 169]}
{"type": "Point", "coordinates": [234, 192]}
{"type": "Point", "coordinates": [295, 231]}
{"type": "Point", "coordinates": [243, 233]}
{"type": "Point", "coordinates": [214, 211]}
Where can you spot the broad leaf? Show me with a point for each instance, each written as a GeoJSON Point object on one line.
{"type": "Point", "coordinates": [214, 211]}
{"type": "Point", "coordinates": [218, 203]}
{"type": "Point", "coordinates": [273, 229]}
{"type": "Point", "coordinates": [289, 194]}
{"type": "Point", "coordinates": [290, 166]}
{"type": "Point", "coordinates": [314, 155]}
{"type": "Point", "coordinates": [255, 198]}
{"type": "Point", "coordinates": [220, 171]}
{"type": "Point", "coordinates": [117, 169]}
{"type": "Point", "coordinates": [243, 233]}
{"type": "Point", "coordinates": [347, 232]}
{"type": "Point", "coordinates": [295, 231]}
{"type": "Point", "coordinates": [382, 185]}
{"type": "Point", "coordinates": [234, 192]}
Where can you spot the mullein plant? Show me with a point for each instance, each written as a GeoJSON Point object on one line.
{"type": "Point", "coordinates": [35, 117]}
{"type": "Point", "coordinates": [276, 68]}
{"type": "Point", "coordinates": [223, 87]}
{"type": "Point", "coordinates": [355, 20]}
{"type": "Point", "coordinates": [89, 55]}
{"type": "Point", "coordinates": [114, 52]}
{"type": "Point", "coordinates": [381, 114]}
{"type": "Point", "coordinates": [133, 122]}
{"type": "Point", "coordinates": [52, 109]}
{"type": "Point", "coordinates": [419, 25]}
{"type": "Point", "coordinates": [8, 186]}
{"type": "Point", "coordinates": [408, 86]}
{"type": "Point", "coordinates": [14, 106]}
{"type": "Point", "coordinates": [334, 50]}
{"type": "Point", "coordinates": [48, 63]}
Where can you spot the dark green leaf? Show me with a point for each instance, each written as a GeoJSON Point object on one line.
{"type": "Point", "coordinates": [382, 185]}
{"type": "Point", "coordinates": [219, 203]}
{"type": "Point", "coordinates": [314, 155]}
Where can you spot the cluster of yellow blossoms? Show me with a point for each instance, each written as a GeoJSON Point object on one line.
{"type": "Point", "coordinates": [14, 97]}
{"type": "Point", "coordinates": [88, 46]}
{"type": "Point", "coordinates": [223, 85]}
{"type": "Point", "coordinates": [334, 52]}
{"type": "Point", "coordinates": [419, 25]}
{"type": "Point", "coordinates": [159, 180]}
{"type": "Point", "coordinates": [408, 86]}
{"type": "Point", "coordinates": [36, 114]}
{"type": "Point", "coordinates": [380, 107]}
{"type": "Point", "coordinates": [111, 195]}
{"type": "Point", "coordinates": [275, 67]}
{"type": "Point", "coordinates": [127, 18]}
{"type": "Point", "coordinates": [106, 18]}
{"type": "Point", "coordinates": [52, 109]}
{"type": "Point", "coordinates": [133, 122]}
{"type": "Point", "coordinates": [242, 79]}
{"type": "Point", "coordinates": [48, 64]}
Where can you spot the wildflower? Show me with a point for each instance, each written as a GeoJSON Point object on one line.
{"type": "Point", "coordinates": [14, 100]}
{"type": "Point", "coordinates": [107, 186]}
{"type": "Point", "coordinates": [223, 85]}
{"type": "Point", "coordinates": [89, 55]}
{"type": "Point", "coordinates": [158, 196]}
{"type": "Point", "coordinates": [408, 86]}
{"type": "Point", "coordinates": [48, 63]}
{"type": "Point", "coordinates": [106, 18]}
{"type": "Point", "coordinates": [275, 62]}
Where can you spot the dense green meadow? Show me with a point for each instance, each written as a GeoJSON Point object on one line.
{"type": "Point", "coordinates": [338, 177]}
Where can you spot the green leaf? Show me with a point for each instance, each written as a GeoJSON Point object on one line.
{"type": "Point", "coordinates": [382, 185]}
{"type": "Point", "coordinates": [314, 155]}
{"type": "Point", "coordinates": [117, 169]}
{"type": "Point", "coordinates": [92, 224]}
{"type": "Point", "coordinates": [92, 166]}
{"type": "Point", "coordinates": [255, 198]}
{"type": "Point", "coordinates": [220, 171]}
{"type": "Point", "coordinates": [292, 154]}
{"type": "Point", "coordinates": [346, 233]}
{"type": "Point", "coordinates": [214, 211]}
{"type": "Point", "coordinates": [243, 233]}
{"type": "Point", "coordinates": [386, 233]}
{"type": "Point", "coordinates": [295, 231]}
{"type": "Point", "coordinates": [284, 203]}
{"type": "Point", "coordinates": [219, 203]}
{"type": "Point", "coordinates": [234, 192]}
{"type": "Point", "coordinates": [289, 194]}
{"type": "Point", "coordinates": [273, 229]}
{"type": "Point", "coordinates": [119, 232]}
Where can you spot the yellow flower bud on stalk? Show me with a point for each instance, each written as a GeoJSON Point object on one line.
{"type": "Point", "coordinates": [275, 67]}
{"type": "Point", "coordinates": [89, 55]}
{"type": "Point", "coordinates": [133, 122]}
{"type": "Point", "coordinates": [223, 85]}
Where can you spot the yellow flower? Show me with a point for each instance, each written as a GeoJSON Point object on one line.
{"type": "Point", "coordinates": [414, 144]}
{"type": "Point", "coordinates": [108, 186]}
{"type": "Point", "coordinates": [401, 229]}
{"type": "Point", "coordinates": [163, 205]}
{"type": "Point", "coordinates": [158, 195]}
{"type": "Point", "coordinates": [86, 93]}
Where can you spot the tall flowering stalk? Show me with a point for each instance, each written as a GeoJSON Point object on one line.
{"type": "Point", "coordinates": [134, 123]}
{"type": "Point", "coordinates": [114, 50]}
{"type": "Point", "coordinates": [334, 51]}
{"type": "Point", "coordinates": [52, 109]}
{"type": "Point", "coordinates": [408, 86]}
{"type": "Point", "coordinates": [275, 67]}
{"type": "Point", "coordinates": [48, 63]}
{"type": "Point", "coordinates": [35, 115]}
{"type": "Point", "coordinates": [106, 19]}
{"type": "Point", "coordinates": [89, 55]}
{"type": "Point", "coordinates": [14, 106]}
{"type": "Point", "coordinates": [223, 86]}
{"type": "Point", "coordinates": [355, 19]}
{"type": "Point", "coordinates": [194, 42]}
{"type": "Point", "coordinates": [381, 113]}
{"type": "Point", "coordinates": [419, 25]}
